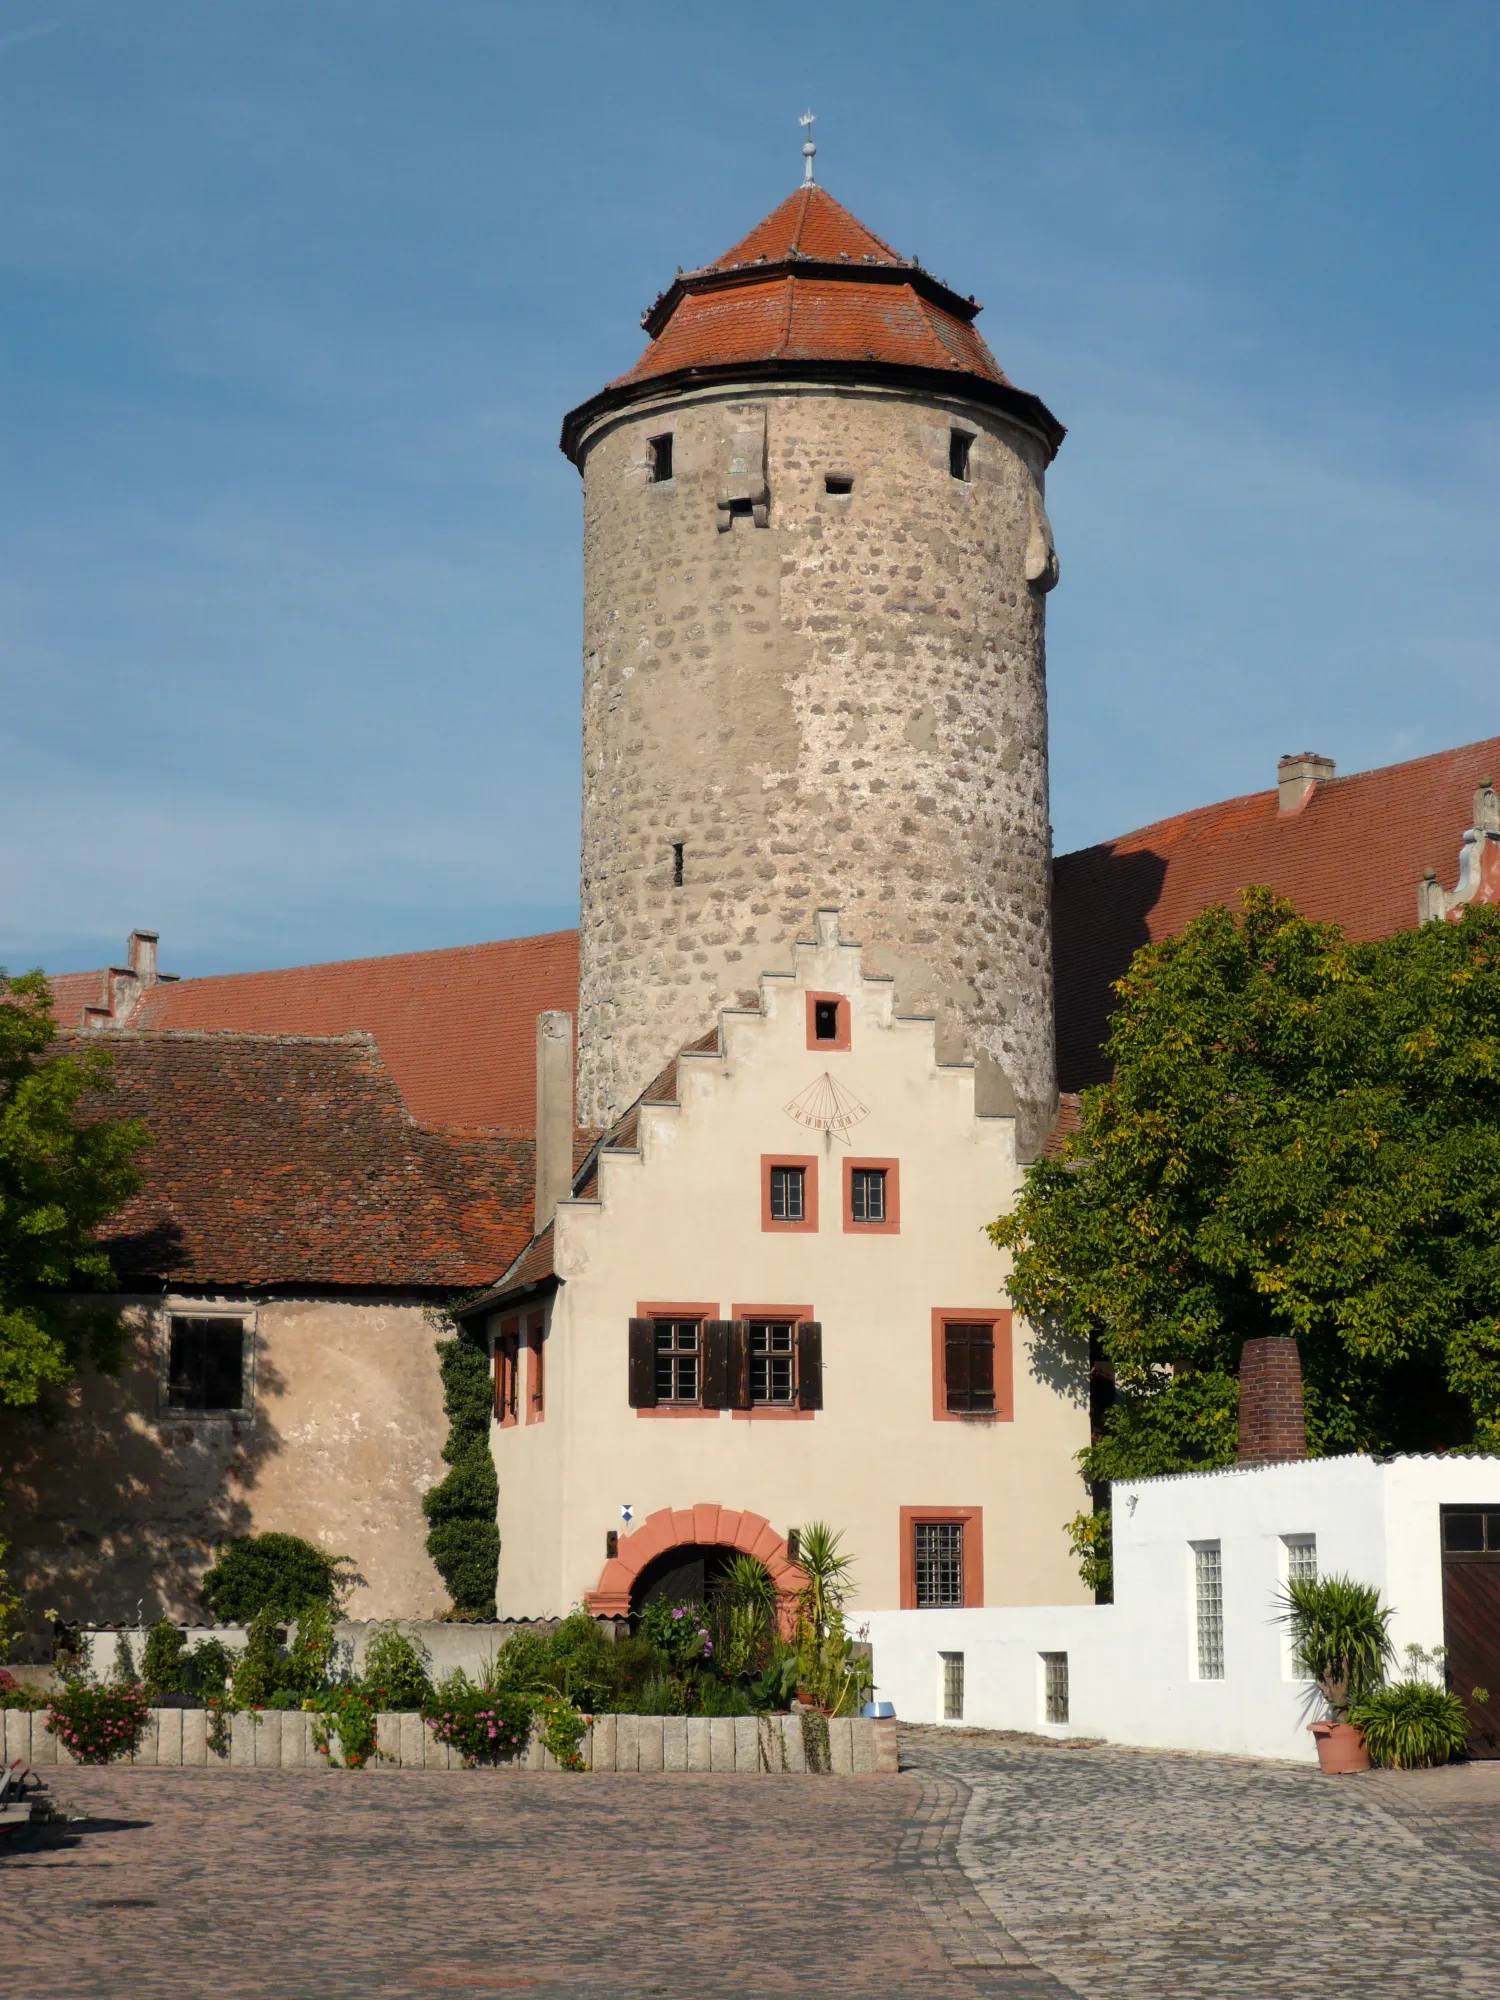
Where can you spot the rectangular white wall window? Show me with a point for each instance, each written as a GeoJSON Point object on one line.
{"type": "Point", "coordinates": [1054, 1687]}
{"type": "Point", "coordinates": [953, 1686]}
{"type": "Point", "coordinates": [1301, 1558]}
{"type": "Point", "coordinates": [1208, 1593]}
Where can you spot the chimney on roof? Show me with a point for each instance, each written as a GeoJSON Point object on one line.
{"type": "Point", "coordinates": [554, 1114]}
{"type": "Point", "coordinates": [1273, 1429]}
{"type": "Point", "coordinates": [126, 986]}
{"type": "Point", "coordinates": [1297, 777]}
{"type": "Point", "coordinates": [142, 956]}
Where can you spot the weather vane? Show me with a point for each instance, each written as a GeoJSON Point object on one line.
{"type": "Point", "coordinates": [807, 121]}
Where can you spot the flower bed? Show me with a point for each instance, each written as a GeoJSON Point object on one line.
{"type": "Point", "coordinates": [100, 1720]}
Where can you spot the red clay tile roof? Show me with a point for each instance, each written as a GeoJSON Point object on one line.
{"type": "Point", "coordinates": [457, 1029]}
{"type": "Point", "coordinates": [291, 1160]}
{"type": "Point", "coordinates": [1354, 853]}
{"type": "Point", "coordinates": [811, 288]}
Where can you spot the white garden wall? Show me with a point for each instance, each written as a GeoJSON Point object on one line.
{"type": "Point", "coordinates": [1133, 1667]}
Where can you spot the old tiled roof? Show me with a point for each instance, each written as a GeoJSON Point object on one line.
{"type": "Point", "coordinates": [812, 288]}
{"type": "Point", "coordinates": [457, 1029]}
{"type": "Point", "coordinates": [1354, 853]}
{"type": "Point", "coordinates": [291, 1160]}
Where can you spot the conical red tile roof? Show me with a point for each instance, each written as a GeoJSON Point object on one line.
{"type": "Point", "coordinates": [812, 291]}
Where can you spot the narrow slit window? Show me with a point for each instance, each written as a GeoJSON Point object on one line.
{"type": "Point", "coordinates": [788, 1194]}
{"type": "Point", "coordinates": [677, 851]}
{"type": "Point", "coordinates": [206, 1365]}
{"type": "Point", "coordinates": [953, 1686]}
{"type": "Point", "coordinates": [826, 1020]}
{"type": "Point", "coordinates": [773, 1362]}
{"type": "Point", "coordinates": [1055, 1687]}
{"type": "Point", "coordinates": [867, 1194]}
{"type": "Point", "coordinates": [1209, 1585]}
{"type": "Point", "coordinates": [960, 449]}
{"type": "Point", "coordinates": [660, 458]}
{"type": "Point", "coordinates": [840, 484]}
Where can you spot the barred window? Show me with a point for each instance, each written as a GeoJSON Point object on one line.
{"type": "Point", "coordinates": [206, 1364]}
{"type": "Point", "coordinates": [1055, 1687]}
{"type": "Point", "coordinates": [939, 1564]}
{"type": "Point", "coordinates": [788, 1194]}
{"type": "Point", "coordinates": [867, 1194]}
{"type": "Point", "coordinates": [1209, 1582]}
{"type": "Point", "coordinates": [953, 1687]}
{"type": "Point", "coordinates": [678, 1345]}
{"type": "Point", "coordinates": [773, 1361]}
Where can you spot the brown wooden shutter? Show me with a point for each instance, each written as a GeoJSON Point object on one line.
{"type": "Point", "coordinates": [810, 1364]}
{"type": "Point", "coordinates": [739, 1364]}
{"type": "Point", "coordinates": [956, 1366]}
{"type": "Point", "coordinates": [981, 1368]}
{"type": "Point", "coordinates": [643, 1364]}
{"type": "Point", "coordinates": [717, 1381]}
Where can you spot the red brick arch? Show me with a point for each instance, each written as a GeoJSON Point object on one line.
{"type": "Point", "coordinates": [680, 1527]}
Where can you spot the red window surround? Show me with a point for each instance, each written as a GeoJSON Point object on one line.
{"type": "Point", "coordinates": [892, 1224]}
{"type": "Point", "coordinates": [972, 1520]}
{"type": "Point", "coordinates": [507, 1372]}
{"type": "Point", "coordinates": [1005, 1391]}
{"type": "Point", "coordinates": [780, 1413]}
{"type": "Point", "coordinates": [536, 1368]}
{"type": "Point", "coordinates": [676, 1309]}
{"type": "Point", "coordinates": [840, 1042]}
{"type": "Point", "coordinates": [809, 1164]}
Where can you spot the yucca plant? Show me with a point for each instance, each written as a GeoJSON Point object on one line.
{"type": "Point", "coordinates": [1411, 1724]}
{"type": "Point", "coordinates": [1340, 1637]}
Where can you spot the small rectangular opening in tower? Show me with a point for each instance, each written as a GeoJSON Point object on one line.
{"type": "Point", "coordinates": [677, 847]}
{"type": "Point", "coordinates": [839, 483]}
{"type": "Point", "coordinates": [660, 449]}
{"type": "Point", "coordinates": [741, 510]}
{"type": "Point", "coordinates": [826, 1020]}
{"type": "Point", "coordinates": [960, 445]}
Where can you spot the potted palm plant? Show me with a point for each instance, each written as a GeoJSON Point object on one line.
{"type": "Point", "coordinates": [1340, 1640]}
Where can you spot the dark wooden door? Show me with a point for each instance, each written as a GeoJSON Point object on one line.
{"type": "Point", "coordinates": [1471, 1618]}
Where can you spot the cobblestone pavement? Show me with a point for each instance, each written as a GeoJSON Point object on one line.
{"type": "Point", "coordinates": [990, 1870]}
{"type": "Point", "coordinates": [1129, 1875]}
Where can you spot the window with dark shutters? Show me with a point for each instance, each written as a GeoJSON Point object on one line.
{"type": "Point", "coordinates": [969, 1366]}
{"type": "Point", "coordinates": [643, 1364]}
{"type": "Point", "coordinates": [810, 1364]}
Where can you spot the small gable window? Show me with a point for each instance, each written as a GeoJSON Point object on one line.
{"type": "Point", "coordinates": [206, 1365]}
{"type": "Point", "coordinates": [659, 458]}
{"type": "Point", "coordinates": [960, 449]}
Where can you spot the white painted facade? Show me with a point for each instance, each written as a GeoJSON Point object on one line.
{"type": "Point", "coordinates": [1133, 1666]}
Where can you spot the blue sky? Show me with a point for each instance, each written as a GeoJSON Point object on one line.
{"type": "Point", "coordinates": [295, 293]}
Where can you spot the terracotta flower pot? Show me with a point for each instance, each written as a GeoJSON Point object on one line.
{"type": "Point", "coordinates": [1341, 1748]}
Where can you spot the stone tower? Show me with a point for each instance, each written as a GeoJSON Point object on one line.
{"type": "Point", "coordinates": [815, 566]}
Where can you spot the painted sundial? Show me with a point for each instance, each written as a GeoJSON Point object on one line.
{"type": "Point", "coordinates": [826, 1106]}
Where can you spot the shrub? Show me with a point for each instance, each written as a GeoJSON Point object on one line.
{"type": "Point", "coordinates": [262, 1669]}
{"type": "Point", "coordinates": [278, 1573]}
{"type": "Point", "coordinates": [99, 1720]}
{"type": "Point", "coordinates": [17, 1694]}
{"type": "Point", "coordinates": [1339, 1637]}
{"type": "Point", "coordinates": [209, 1666]}
{"type": "Point", "coordinates": [463, 1540]}
{"type": "Point", "coordinates": [347, 1712]}
{"type": "Point", "coordinates": [1412, 1723]}
{"type": "Point", "coordinates": [395, 1671]}
{"type": "Point", "coordinates": [679, 1632]}
{"type": "Point", "coordinates": [165, 1667]}
{"type": "Point", "coordinates": [310, 1651]}
{"type": "Point", "coordinates": [486, 1726]}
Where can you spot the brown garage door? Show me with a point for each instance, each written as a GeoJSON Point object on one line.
{"type": "Point", "coordinates": [1471, 1618]}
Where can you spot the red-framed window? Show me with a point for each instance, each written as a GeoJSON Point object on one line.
{"type": "Point", "coordinates": [789, 1191]}
{"type": "Point", "coordinates": [507, 1372]}
{"type": "Point", "coordinates": [972, 1372]}
{"type": "Point", "coordinates": [828, 1025]}
{"type": "Point", "coordinates": [536, 1368]}
{"type": "Point", "coordinates": [872, 1197]}
{"type": "Point", "coordinates": [942, 1558]}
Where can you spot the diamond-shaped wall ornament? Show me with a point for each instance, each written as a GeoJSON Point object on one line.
{"type": "Point", "coordinates": [826, 1106]}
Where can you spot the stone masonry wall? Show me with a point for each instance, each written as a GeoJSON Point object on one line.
{"type": "Point", "coordinates": [845, 707]}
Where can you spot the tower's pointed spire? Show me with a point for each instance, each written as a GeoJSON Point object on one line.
{"type": "Point", "coordinates": [807, 122]}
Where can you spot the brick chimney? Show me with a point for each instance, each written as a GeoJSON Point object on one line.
{"type": "Point", "coordinates": [554, 1114]}
{"type": "Point", "coordinates": [1272, 1427]}
{"type": "Point", "coordinates": [1298, 777]}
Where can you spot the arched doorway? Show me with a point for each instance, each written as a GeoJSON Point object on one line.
{"type": "Point", "coordinates": [675, 1541]}
{"type": "Point", "coordinates": [685, 1574]}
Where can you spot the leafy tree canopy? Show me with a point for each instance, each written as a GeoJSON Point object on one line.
{"type": "Point", "coordinates": [1302, 1137]}
{"type": "Point", "coordinates": [61, 1175]}
{"type": "Point", "coordinates": [280, 1575]}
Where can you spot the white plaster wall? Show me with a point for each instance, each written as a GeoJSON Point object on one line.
{"type": "Point", "coordinates": [1132, 1665]}
{"type": "Point", "coordinates": [681, 1221]}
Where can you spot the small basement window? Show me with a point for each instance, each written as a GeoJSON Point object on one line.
{"type": "Point", "coordinates": [953, 1686]}
{"type": "Point", "coordinates": [1054, 1687]}
{"type": "Point", "coordinates": [960, 446]}
{"type": "Point", "coordinates": [206, 1364]}
{"type": "Point", "coordinates": [659, 455]}
{"type": "Point", "coordinates": [838, 483]}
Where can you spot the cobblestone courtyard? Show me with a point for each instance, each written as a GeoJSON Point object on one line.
{"type": "Point", "coordinates": [988, 1868]}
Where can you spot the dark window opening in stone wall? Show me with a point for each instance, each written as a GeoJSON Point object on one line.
{"type": "Point", "coordinates": [206, 1365]}
{"type": "Point", "coordinates": [660, 449]}
{"type": "Point", "coordinates": [838, 483]}
{"type": "Point", "coordinates": [960, 445]}
{"type": "Point", "coordinates": [677, 850]}
{"type": "Point", "coordinates": [741, 510]}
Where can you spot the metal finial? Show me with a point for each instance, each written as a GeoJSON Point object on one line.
{"type": "Point", "coordinates": [807, 121]}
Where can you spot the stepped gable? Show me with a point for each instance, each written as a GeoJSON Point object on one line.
{"type": "Point", "coordinates": [283, 1160]}
{"type": "Point", "coordinates": [811, 292]}
{"type": "Point", "coordinates": [1353, 854]}
{"type": "Point", "coordinates": [456, 1028]}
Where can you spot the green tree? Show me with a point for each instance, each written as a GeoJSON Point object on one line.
{"type": "Point", "coordinates": [1302, 1136]}
{"type": "Point", "coordinates": [463, 1539]}
{"type": "Point", "coordinates": [62, 1173]}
